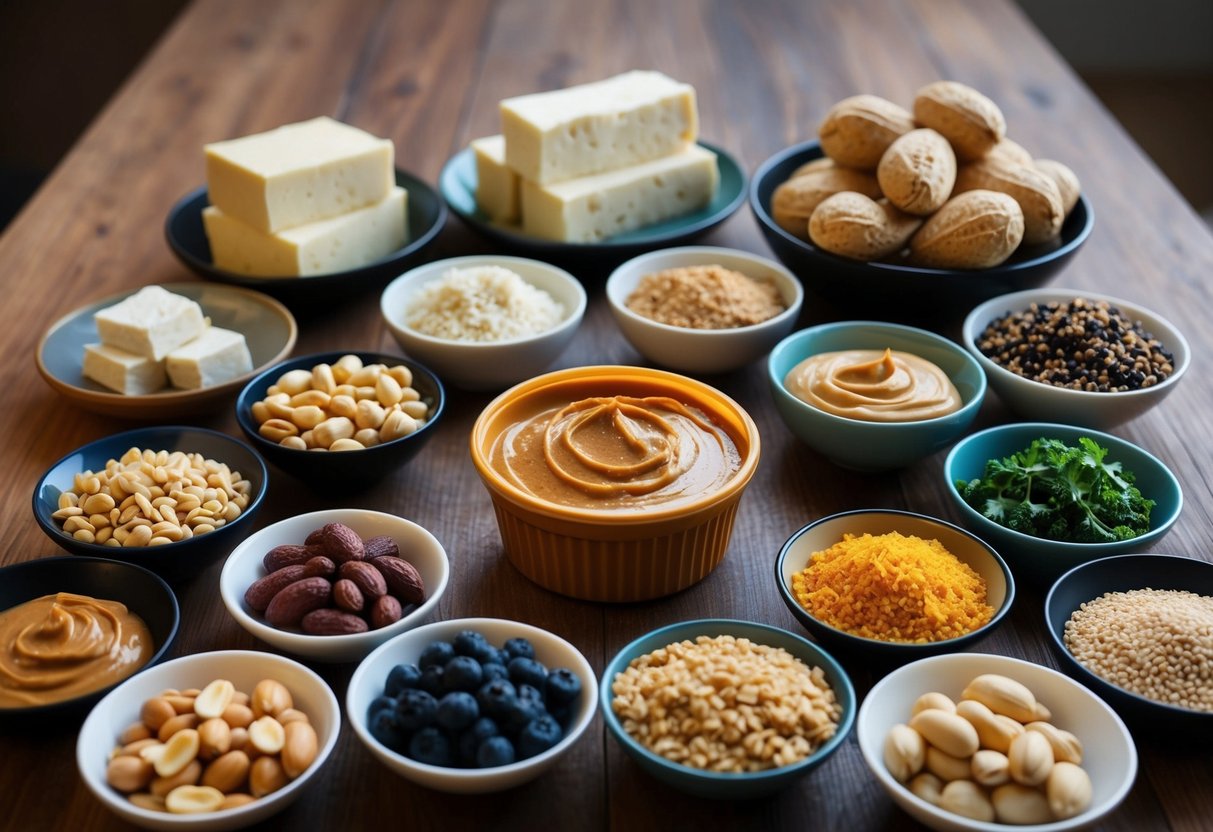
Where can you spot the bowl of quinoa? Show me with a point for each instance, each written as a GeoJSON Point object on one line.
{"type": "Point", "coordinates": [484, 322]}
{"type": "Point", "coordinates": [700, 309]}
{"type": "Point", "coordinates": [1072, 356]}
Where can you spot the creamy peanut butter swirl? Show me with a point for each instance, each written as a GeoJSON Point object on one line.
{"type": "Point", "coordinates": [874, 386]}
{"type": "Point", "coordinates": [617, 452]}
{"type": "Point", "coordinates": [60, 646]}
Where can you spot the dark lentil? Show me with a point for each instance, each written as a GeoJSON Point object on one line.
{"type": "Point", "coordinates": [1083, 344]}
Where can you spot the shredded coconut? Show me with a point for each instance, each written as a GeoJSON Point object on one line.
{"type": "Point", "coordinates": [482, 303]}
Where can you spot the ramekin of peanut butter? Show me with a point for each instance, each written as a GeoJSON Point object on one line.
{"type": "Point", "coordinates": [615, 483]}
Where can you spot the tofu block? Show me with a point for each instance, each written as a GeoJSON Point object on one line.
{"type": "Point", "coordinates": [333, 245]}
{"type": "Point", "coordinates": [496, 182]}
{"type": "Point", "coordinates": [215, 356]}
{"type": "Point", "coordinates": [592, 128]}
{"type": "Point", "coordinates": [123, 372]}
{"type": "Point", "coordinates": [594, 208]}
{"type": "Point", "coordinates": [299, 174]}
{"type": "Point", "coordinates": [151, 323]}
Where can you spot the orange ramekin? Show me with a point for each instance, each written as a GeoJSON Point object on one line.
{"type": "Point", "coordinates": [613, 555]}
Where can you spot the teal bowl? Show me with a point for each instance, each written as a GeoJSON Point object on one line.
{"type": "Point", "coordinates": [722, 785]}
{"type": "Point", "coordinates": [874, 446]}
{"type": "Point", "coordinates": [1038, 558]}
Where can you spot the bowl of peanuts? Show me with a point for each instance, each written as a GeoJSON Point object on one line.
{"type": "Point", "coordinates": [170, 499]}
{"type": "Point", "coordinates": [211, 741]}
{"type": "Point", "coordinates": [341, 421]}
{"type": "Point", "coordinates": [683, 702]}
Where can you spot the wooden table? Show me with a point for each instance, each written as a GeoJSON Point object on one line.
{"type": "Point", "coordinates": [429, 75]}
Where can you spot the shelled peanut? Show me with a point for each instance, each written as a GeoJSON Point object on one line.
{"type": "Point", "coordinates": [335, 583]}
{"type": "Point", "coordinates": [217, 748]}
{"type": "Point", "coordinates": [344, 406]}
{"type": "Point", "coordinates": [991, 756]}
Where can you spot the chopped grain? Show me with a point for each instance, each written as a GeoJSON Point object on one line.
{"type": "Point", "coordinates": [482, 303]}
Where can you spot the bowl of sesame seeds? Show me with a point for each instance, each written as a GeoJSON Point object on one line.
{"type": "Point", "coordinates": [1065, 355]}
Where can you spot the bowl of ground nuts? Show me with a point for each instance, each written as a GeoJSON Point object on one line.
{"type": "Point", "coordinates": [170, 499]}
{"type": "Point", "coordinates": [341, 421]}
{"type": "Point", "coordinates": [211, 741]}
{"type": "Point", "coordinates": [714, 735]}
{"type": "Point", "coordinates": [1072, 356]}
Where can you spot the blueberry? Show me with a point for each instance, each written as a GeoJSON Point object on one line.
{"type": "Point", "coordinates": [472, 643]}
{"type": "Point", "coordinates": [503, 656]}
{"type": "Point", "coordinates": [538, 736]}
{"type": "Point", "coordinates": [384, 728]}
{"type": "Point", "coordinates": [563, 686]}
{"type": "Point", "coordinates": [493, 670]}
{"type": "Point", "coordinates": [472, 737]}
{"type": "Point", "coordinates": [380, 703]}
{"type": "Point", "coordinates": [525, 671]}
{"type": "Point", "coordinates": [494, 696]}
{"type": "Point", "coordinates": [523, 708]}
{"type": "Point", "coordinates": [429, 746]}
{"type": "Point", "coordinates": [415, 710]}
{"type": "Point", "coordinates": [560, 713]}
{"type": "Point", "coordinates": [437, 653]}
{"type": "Point", "coordinates": [495, 751]}
{"type": "Point", "coordinates": [520, 648]}
{"type": "Point", "coordinates": [462, 673]}
{"type": "Point", "coordinates": [400, 677]}
{"type": "Point", "coordinates": [431, 680]}
{"type": "Point", "coordinates": [457, 711]}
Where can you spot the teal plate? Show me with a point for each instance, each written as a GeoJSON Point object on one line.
{"type": "Point", "coordinates": [457, 184]}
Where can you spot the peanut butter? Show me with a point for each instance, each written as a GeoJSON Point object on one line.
{"type": "Point", "coordinates": [874, 386]}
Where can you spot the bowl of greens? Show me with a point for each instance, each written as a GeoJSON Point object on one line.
{"type": "Point", "coordinates": [1049, 497]}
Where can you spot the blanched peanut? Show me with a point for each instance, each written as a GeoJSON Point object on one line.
{"type": "Point", "coordinates": [387, 390]}
{"type": "Point", "coordinates": [322, 378]}
{"type": "Point", "coordinates": [904, 752]}
{"type": "Point", "coordinates": [308, 416]}
{"type": "Point", "coordinates": [276, 430]}
{"type": "Point", "coordinates": [330, 430]}
{"type": "Point", "coordinates": [311, 398]}
{"type": "Point", "coordinates": [179, 751]}
{"type": "Point", "coordinates": [417, 409]}
{"type": "Point", "coordinates": [296, 442]}
{"type": "Point", "coordinates": [343, 405]}
{"type": "Point", "coordinates": [267, 735]}
{"type": "Point", "coordinates": [344, 444]}
{"type": "Point", "coordinates": [191, 800]}
{"type": "Point", "coordinates": [295, 382]}
{"type": "Point", "coordinates": [964, 797]}
{"type": "Point", "coordinates": [396, 425]}
{"type": "Point", "coordinates": [933, 700]}
{"type": "Point", "coordinates": [369, 414]}
{"type": "Point", "coordinates": [402, 374]}
{"type": "Point", "coordinates": [367, 437]}
{"type": "Point", "coordinates": [188, 776]}
{"type": "Point", "coordinates": [345, 367]}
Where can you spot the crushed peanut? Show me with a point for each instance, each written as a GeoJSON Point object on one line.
{"type": "Point", "coordinates": [705, 297]}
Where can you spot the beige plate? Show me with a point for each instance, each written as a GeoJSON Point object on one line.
{"type": "Point", "coordinates": [267, 325]}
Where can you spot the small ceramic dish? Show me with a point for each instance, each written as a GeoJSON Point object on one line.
{"type": "Point", "coordinates": [702, 350]}
{"type": "Point", "coordinates": [173, 561]}
{"type": "Point", "coordinates": [187, 238]}
{"type": "Point", "coordinates": [1109, 755]}
{"type": "Point", "coordinates": [1035, 557]}
{"type": "Point", "coordinates": [551, 650]}
{"type": "Point", "coordinates": [244, 669]}
{"type": "Point", "coordinates": [143, 593]}
{"type": "Point", "coordinates": [344, 471]}
{"type": "Point", "coordinates": [898, 288]}
{"type": "Point", "coordinates": [244, 566]}
{"type": "Point", "coordinates": [727, 785]}
{"type": "Point", "coordinates": [821, 534]}
{"type": "Point", "coordinates": [860, 444]}
{"type": "Point", "coordinates": [485, 365]}
{"type": "Point", "coordinates": [457, 182]}
{"type": "Point", "coordinates": [1038, 401]}
{"type": "Point", "coordinates": [1126, 573]}
{"type": "Point", "coordinates": [268, 328]}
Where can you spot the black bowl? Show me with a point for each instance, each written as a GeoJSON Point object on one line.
{"type": "Point", "coordinates": [899, 290]}
{"type": "Point", "coordinates": [173, 561]}
{"type": "Point", "coordinates": [341, 471]}
{"type": "Point", "coordinates": [1121, 574]}
{"type": "Point", "coordinates": [144, 594]}
{"type": "Point", "coordinates": [426, 211]}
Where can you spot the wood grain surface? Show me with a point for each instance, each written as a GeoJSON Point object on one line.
{"type": "Point", "coordinates": [428, 75]}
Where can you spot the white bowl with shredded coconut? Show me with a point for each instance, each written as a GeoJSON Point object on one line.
{"type": "Point", "coordinates": [484, 322]}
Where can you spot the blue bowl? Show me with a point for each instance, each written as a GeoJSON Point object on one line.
{"type": "Point", "coordinates": [720, 785]}
{"type": "Point", "coordinates": [174, 561]}
{"type": "Point", "coordinates": [344, 471]}
{"type": "Point", "coordinates": [1038, 558]}
{"type": "Point", "coordinates": [874, 446]}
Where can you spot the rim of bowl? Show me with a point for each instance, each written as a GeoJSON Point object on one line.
{"type": "Point", "coordinates": [845, 723]}
{"type": "Point", "coordinates": [786, 278]}
{"type": "Point", "coordinates": [795, 338]}
{"type": "Point", "coordinates": [843, 637]}
{"type": "Point", "coordinates": [983, 313]}
{"type": "Point", "coordinates": [1043, 429]}
{"type": "Point", "coordinates": [571, 319]}
{"type": "Point", "coordinates": [767, 221]}
{"type": "Point", "coordinates": [606, 517]}
{"type": "Point", "coordinates": [1089, 677]}
{"type": "Point", "coordinates": [585, 671]}
{"type": "Point", "coordinates": [271, 635]}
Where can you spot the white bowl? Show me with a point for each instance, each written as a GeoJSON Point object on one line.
{"type": "Point", "coordinates": [702, 350]}
{"type": "Point", "coordinates": [551, 650]}
{"type": "Point", "coordinates": [485, 365]}
{"type": "Point", "coordinates": [417, 546]}
{"type": "Point", "coordinates": [1109, 756]}
{"type": "Point", "coordinates": [242, 668]}
{"type": "Point", "coordinates": [1036, 401]}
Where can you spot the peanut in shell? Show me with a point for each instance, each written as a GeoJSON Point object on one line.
{"type": "Point", "coordinates": [852, 225]}
{"type": "Point", "coordinates": [1037, 194]}
{"type": "Point", "coordinates": [970, 121]}
{"type": "Point", "coordinates": [917, 172]}
{"type": "Point", "coordinates": [858, 130]}
{"type": "Point", "coordinates": [975, 230]}
{"type": "Point", "coordinates": [795, 200]}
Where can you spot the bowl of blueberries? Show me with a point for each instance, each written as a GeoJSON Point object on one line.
{"type": "Point", "coordinates": [472, 705]}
